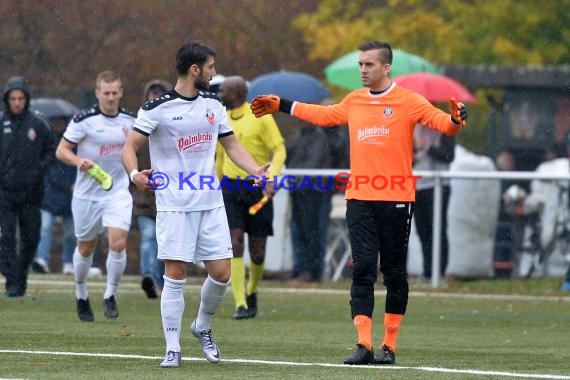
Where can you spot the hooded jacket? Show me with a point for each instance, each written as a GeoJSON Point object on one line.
{"type": "Point", "coordinates": [27, 149]}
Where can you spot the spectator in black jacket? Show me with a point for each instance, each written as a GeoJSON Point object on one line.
{"type": "Point", "coordinates": [27, 149]}
{"type": "Point", "coordinates": [310, 202]}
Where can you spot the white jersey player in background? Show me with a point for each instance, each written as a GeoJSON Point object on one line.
{"type": "Point", "coordinates": [99, 134]}
{"type": "Point", "coordinates": [183, 126]}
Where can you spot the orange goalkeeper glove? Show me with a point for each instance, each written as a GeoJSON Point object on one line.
{"type": "Point", "coordinates": [265, 104]}
{"type": "Point", "coordinates": [269, 104]}
{"type": "Point", "coordinates": [458, 112]}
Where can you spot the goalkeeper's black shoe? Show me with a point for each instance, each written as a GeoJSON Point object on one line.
{"type": "Point", "coordinates": [362, 356]}
{"type": "Point", "coordinates": [385, 356]}
{"type": "Point", "coordinates": [84, 311]}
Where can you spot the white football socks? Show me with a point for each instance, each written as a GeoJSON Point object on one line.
{"type": "Point", "coordinates": [211, 297]}
{"type": "Point", "coordinates": [171, 309]}
{"type": "Point", "coordinates": [116, 263]}
{"type": "Point", "coordinates": [81, 267]}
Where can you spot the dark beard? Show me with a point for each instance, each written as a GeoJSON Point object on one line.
{"type": "Point", "coordinates": [202, 85]}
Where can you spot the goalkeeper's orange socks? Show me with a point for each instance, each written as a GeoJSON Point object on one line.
{"type": "Point", "coordinates": [238, 281]}
{"type": "Point", "coordinates": [363, 326]}
{"type": "Point", "coordinates": [391, 326]}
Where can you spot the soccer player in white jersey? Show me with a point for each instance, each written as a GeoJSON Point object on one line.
{"type": "Point", "coordinates": [183, 126]}
{"type": "Point", "coordinates": [99, 134]}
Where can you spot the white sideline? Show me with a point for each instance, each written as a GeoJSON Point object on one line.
{"type": "Point", "coordinates": [132, 287]}
{"type": "Point", "coordinates": [379, 292]}
{"type": "Point", "coordinates": [301, 364]}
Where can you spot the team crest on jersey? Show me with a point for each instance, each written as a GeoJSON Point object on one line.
{"type": "Point", "coordinates": [126, 130]}
{"type": "Point", "coordinates": [388, 113]}
{"type": "Point", "coordinates": [32, 134]}
{"type": "Point", "coordinates": [210, 116]}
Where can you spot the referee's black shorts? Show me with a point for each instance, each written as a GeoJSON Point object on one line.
{"type": "Point", "coordinates": [238, 199]}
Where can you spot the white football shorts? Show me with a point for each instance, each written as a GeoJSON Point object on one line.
{"type": "Point", "coordinates": [193, 236]}
{"type": "Point", "coordinates": [91, 217]}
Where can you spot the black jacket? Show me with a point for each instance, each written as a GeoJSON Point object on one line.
{"type": "Point", "coordinates": [308, 149]}
{"type": "Point", "coordinates": [27, 149]}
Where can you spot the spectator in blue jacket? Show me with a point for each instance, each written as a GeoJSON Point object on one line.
{"type": "Point", "coordinates": [56, 204]}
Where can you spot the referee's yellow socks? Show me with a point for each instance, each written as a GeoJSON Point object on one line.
{"type": "Point", "coordinates": [391, 327]}
{"type": "Point", "coordinates": [238, 281]}
{"type": "Point", "coordinates": [255, 275]}
{"type": "Point", "coordinates": [363, 326]}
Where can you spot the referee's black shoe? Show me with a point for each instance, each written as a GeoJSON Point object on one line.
{"type": "Point", "coordinates": [385, 356]}
{"type": "Point", "coordinates": [362, 356]}
{"type": "Point", "coordinates": [241, 313]}
{"type": "Point", "coordinates": [251, 301]}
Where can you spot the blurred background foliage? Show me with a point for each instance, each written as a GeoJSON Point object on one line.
{"type": "Point", "coordinates": [61, 45]}
{"type": "Point", "coordinates": [503, 33]}
{"type": "Point", "coordinates": [506, 33]}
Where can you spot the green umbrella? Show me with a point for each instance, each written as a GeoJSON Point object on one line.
{"type": "Point", "coordinates": [344, 71]}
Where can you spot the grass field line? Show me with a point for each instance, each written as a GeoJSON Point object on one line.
{"type": "Point", "coordinates": [300, 364]}
{"type": "Point", "coordinates": [131, 286]}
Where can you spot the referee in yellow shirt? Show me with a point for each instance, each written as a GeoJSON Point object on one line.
{"type": "Point", "coordinates": [262, 138]}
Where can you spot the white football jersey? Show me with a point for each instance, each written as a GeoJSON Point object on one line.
{"type": "Point", "coordinates": [101, 139]}
{"type": "Point", "coordinates": [182, 138]}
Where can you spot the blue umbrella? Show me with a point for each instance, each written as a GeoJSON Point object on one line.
{"type": "Point", "coordinates": [288, 84]}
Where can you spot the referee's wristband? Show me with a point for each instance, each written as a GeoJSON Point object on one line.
{"type": "Point", "coordinates": [132, 175]}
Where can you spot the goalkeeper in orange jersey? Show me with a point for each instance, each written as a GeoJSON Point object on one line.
{"type": "Point", "coordinates": [261, 137]}
{"type": "Point", "coordinates": [381, 120]}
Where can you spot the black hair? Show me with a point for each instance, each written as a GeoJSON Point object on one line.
{"type": "Point", "coordinates": [193, 53]}
{"type": "Point", "coordinates": [558, 150]}
{"type": "Point", "coordinates": [384, 49]}
{"type": "Point", "coordinates": [157, 88]}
